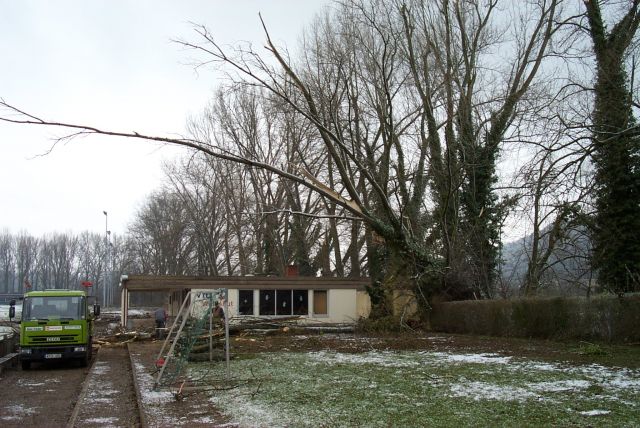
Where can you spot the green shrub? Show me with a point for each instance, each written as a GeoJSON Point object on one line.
{"type": "Point", "coordinates": [384, 324]}
{"type": "Point", "coordinates": [591, 349]}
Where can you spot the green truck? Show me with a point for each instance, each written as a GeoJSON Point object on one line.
{"type": "Point", "coordinates": [56, 325]}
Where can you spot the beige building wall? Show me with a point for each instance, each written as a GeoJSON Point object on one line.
{"type": "Point", "coordinates": [343, 306]}
{"type": "Point", "coordinates": [363, 304]}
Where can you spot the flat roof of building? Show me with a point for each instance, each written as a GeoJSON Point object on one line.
{"type": "Point", "coordinates": [168, 282]}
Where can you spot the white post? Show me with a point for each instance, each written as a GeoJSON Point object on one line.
{"type": "Point", "coordinates": [106, 257]}
{"type": "Point", "coordinates": [211, 326]}
{"type": "Point", "coordinates": [226, 330]}
{"type": "Point", "coordinates": [124, 308]}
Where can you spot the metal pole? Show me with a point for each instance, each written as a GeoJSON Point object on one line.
{"type": "Point", "coordinates": [226, 330]}
{"type": "Point", "coordinates": [211, 326]}
{"type": "Point", "coordinates": [109, 290]}
{"type": "Point", "coordinates": [106, 256]}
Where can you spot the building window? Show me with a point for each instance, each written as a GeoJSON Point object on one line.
{"type": "Point", "coordinates": [267, 302]}
{"type": "Point", "coordinates": [320, 302]}
{"type": "Point", "coordinates": [300, 302]}
{"type": "Point", "coordinates": [280, 302]}
{"type": "Point", "coordinates": [245, 305]}
{"type": "Point", "coordinates": [283, 302]}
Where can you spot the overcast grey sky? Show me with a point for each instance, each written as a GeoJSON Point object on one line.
{"type": "Point", "coordinates": [109, 64]}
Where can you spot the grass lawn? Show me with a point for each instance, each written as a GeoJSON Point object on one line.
{"type": "Point", "coordinates": [419, 388]}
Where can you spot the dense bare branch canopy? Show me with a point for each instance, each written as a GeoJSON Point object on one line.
{"type": "Point", "coordinates": [401, 138]}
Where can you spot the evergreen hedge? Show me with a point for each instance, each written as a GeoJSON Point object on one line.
{"type": "Point", "coordinates": [607, 318]}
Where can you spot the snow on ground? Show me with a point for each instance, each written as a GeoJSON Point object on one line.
{"type": "Point", "coordinates": [489, 391]}
{"type": "Point", "coordinates": [31, 384]}
{"type": "Point", "coordinates": [6, 333]}
{"type": "Point", "coordinates": [253, 414]}
{"type": "Point", "coordinates": [154, 403]}
{"type": "Point", "coordinates": [380, 358]}
{"type": "Point", "coordinates": [100, 368]}
{"type": "Point", "coordinates": [4, 312]}
{"type": "Point", "coordinates": [17, 412]}
{"type": "Point", "coordinates": [560, 386]}
{"type": "Point", "coordinates": [485, 391]}
{"type": "Point", "coordinates": [595, 413]}
{"type": "Point", "coordinates": [470, 358]}
{"type": "Point", "coordinates": [103, 421]}
{"type": "Point", "coordinates": [421, 379]}
{"type": "Point", "coordinates": [137, 312]}
{"type": "Point", "coordinates": [610, 379]}
{"type": "Point", "coordinates": [341, 337]}
{"type": "Point", "coordinates": [100, 389]}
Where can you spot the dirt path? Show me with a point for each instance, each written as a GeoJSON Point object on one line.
{"type": "Point", "coordinates": [43, 396]}
{"type": "Point", "coordinates": [161, 408]}
{"type": "Point", "coordinates": [108, 398]}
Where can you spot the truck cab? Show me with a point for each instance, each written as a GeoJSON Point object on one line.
{"type": "Point", "coordinates": [56, 325]}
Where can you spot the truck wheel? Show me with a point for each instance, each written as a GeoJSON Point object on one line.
{"type": "Point", "coordinates": [26, 365]}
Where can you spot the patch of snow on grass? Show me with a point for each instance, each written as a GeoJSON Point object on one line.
{"type": "Point", "coordinates": [472, 358]}
{"type": "Point", "coordinates": [486, 391]}
{"type": "Point", "coordinates": [612, 378]}
{"type": "Point", "coordinates": [384, 359]}
{"type": "Point", "coordinates": [595, 413]}
{"type": "Point", "coordinates": [538, 366]}
{"type": "Point", "coordinates": [560, 386]}
{"type": "Point", "coordinates": [248, 413]}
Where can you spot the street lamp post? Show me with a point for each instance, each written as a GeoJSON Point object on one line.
{"type": "Point", "coordinates": [106, 258]}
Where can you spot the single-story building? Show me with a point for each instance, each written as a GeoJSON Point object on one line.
{"type": "Point", "coordinates": [313, 299]}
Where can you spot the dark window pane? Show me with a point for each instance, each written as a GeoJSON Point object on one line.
{"type": "Point", "coordinates": [283, 306]}
{"type": "Point", "coordinates": [267, 302]}
{"type": "Point", "coordinates": [320, 302]}
{"type": "Point", "coordinates": [300, 302]}
{"type": "Point", "coordinates": [245, 304]}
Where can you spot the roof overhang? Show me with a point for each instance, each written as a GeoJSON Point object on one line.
{"type": "Point", "coordinates": [172, 283]}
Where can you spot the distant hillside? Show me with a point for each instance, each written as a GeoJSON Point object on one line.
{"type": "Point", "coordinates": [568, 270]}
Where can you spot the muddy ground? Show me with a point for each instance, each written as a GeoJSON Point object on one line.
{"type": "Point", "coordinates": [41, 397]}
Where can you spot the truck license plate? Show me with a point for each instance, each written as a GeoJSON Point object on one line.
{"type": "Point", "coordinates": [48, 356]}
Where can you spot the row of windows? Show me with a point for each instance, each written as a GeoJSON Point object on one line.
{"type": "Point", "coordinates": [282, 302]}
